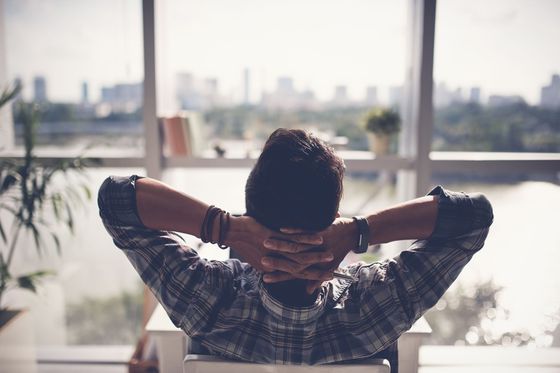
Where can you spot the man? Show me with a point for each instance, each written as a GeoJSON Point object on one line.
{"type": "Point", "coordinates": [282, 304]}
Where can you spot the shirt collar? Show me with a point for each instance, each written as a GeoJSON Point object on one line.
{"type": "Point", "coordinates": [329, 293]}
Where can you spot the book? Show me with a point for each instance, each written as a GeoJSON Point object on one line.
{"type": "Point", "coordinates": [182, 134]}
{"type": "Point", "coordinates": [175, 133]}
{"type": "Point", "coordinates": [194, 123]}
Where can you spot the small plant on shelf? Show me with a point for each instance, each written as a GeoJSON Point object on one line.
{"type": "Point", "coordinates": [381, 124]}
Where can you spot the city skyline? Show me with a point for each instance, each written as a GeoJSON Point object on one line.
{"type": "Point", "coordinates": [200, 93]}
{"type": "Point", "coordinates": [112, 54]}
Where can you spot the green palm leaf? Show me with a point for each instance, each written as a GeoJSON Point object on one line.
{"type": "Point", "coordinates": [29, 281]}
{"type": "Point", "coordinates": [9, 94]}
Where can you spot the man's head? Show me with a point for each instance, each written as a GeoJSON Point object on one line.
{"type": "Point", "coordinates": [296, 182]}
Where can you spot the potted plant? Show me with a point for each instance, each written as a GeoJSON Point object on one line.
{"type": "Point", "coordinates": [381, 124]}
{"type": "Point", "coordinates": [31, 204]}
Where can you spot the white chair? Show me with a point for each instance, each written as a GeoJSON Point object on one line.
{"type": "Point", "coordinates": [214, 364]}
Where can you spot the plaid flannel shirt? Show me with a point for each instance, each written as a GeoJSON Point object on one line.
{"type": "Point", "coordinates": [224, 305]}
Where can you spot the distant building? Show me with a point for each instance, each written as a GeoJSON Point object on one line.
{"type": "Point", "coordinates": [211, 86]}
{"type": "Point", "coordinates": [286, 97]}
{"type": "Point", "coordinates": [285, 85]}
{"type": "Point", "coordinates": [396, 96]}
{"type": "Point", "coordinates": [39, 89]}
{"type": "Point", "coordinates": [210, 93]}
{"type": "Point", "coordinates": [371, 96]}
{"type": "Point", "coordinates": [502, 100]}
{"type": "Point", "coordinates": [474, 96]}
{"type": "Point", "coordinates": [85, 93]}
{"type": "Point", "coordinates": [340, 97]}
{"type": "Point", "coordinates": [186, 93]}
{"type": "Point", "coordinates": [198, 94]}
{"type": "Point", "coordinates": [123, 97]}
{"type": "Point", "coordinates": [307, 100]}
{"type": "Point", "coordinates": [550, 94]}
{"type": "Point", "coordinates": [444, 96]}
{"type": "Point", "coordinates": [246, 86]}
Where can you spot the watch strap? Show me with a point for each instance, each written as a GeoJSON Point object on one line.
{"type": "Point", "coordinates": [363, 237]}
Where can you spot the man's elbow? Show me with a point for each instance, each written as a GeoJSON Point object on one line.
{"type": "Point", "coordinates": [102, 196]}
{"type": "Point", "coordinates": [484, 214]}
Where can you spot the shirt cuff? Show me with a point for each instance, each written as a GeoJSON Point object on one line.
{"type": "Point", "coordinates": [117, 200]}
{"type": "Point", "coordinates": [460, 213]}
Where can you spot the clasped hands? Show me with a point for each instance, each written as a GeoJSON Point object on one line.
{"type": "Point", "coordinates": [292, 253]}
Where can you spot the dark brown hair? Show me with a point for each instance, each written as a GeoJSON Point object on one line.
{"type": "Point", "coordinates": [296, 183]}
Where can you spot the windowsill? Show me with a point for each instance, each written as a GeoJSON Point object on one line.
{"type": "Point", "coordinates": [110, 157]}
{"type": "Point", "coordinates": [355, 160]}
{"type": "Point", "coordinates": [58, 152]}
{"type": "Point", "coordinates": [85, 354]}
{"type": "Point", "coordinates": [70, 152]}
{"type": "Point", "coordinates": [496, 356]}
{"type": "Point", "coordinates": [493, 156]}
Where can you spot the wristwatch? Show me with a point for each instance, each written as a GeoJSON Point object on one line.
{"type": "Point", "coordinates": [363, 238]}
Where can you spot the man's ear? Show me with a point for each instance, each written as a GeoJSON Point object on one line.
{"type": "Point", "coordinates": [338, 214]}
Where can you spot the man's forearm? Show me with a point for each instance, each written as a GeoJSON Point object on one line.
{"type": "Point", "coordinates": [440, 214]}
{"type": "Point", "coordinates": [162, 207]}
{"type": "Point", "coordinates": [413, 219]}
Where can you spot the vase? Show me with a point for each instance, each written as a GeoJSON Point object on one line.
{"type": "Point", "coordinates": [379, 144]}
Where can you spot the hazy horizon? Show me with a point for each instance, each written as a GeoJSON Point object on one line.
{"type": "Point", "coordinates": [503, 47]}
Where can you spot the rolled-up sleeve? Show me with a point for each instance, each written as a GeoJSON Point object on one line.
{"type": "Point", "coordinates": [425, 271]}
{"type": "Point", "coordinates": [460, 213]}
{"type": "Point", "coordinates": [419, 276]}
{"type": "Point", "coordinates": [188, 287]}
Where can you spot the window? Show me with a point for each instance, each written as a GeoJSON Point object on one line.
{"type": "Point", "coordinates": [496, 76]}
{"type": "Point", "coordinates": [94, 295]}
{"type": "Point", "coordinates": [508, 294]}
{"type": "Point", "coordinates": [496, 89]}
{"type": "Point", "coordinates": [250, 67]}
{"type": "Point", "coordinates": [83, 73]}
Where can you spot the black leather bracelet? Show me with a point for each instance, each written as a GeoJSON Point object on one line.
{"type": "Point", "coordinates": [208, 224]}
{"type": "Point", "coordinates": [363, 238]}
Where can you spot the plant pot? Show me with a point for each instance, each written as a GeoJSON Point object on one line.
{"type": "Point", "coordinates": [379, 144]}
{"type": "Point", "coordinates": [17, 342]}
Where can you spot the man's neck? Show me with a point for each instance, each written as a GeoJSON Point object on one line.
{"type": "Point", "coordinates": [292, 293]}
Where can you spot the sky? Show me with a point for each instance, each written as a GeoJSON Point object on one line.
{"type": "Point", "coordinates": [502, 46]}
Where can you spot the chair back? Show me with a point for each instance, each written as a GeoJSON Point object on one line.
{"type": "Point", "coordinates": [215, 364]}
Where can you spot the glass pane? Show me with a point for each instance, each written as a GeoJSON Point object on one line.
{"type": "Point", "coordinates": [496, 72]}
{"type": "Point", "coordinates": [83, 73]}
{"type": "Point", "coordinates": [93, 295]}
{"type": "Point", "coordinates": [254, 66]}
{"type": "Point", "coordinates": [508, 294]}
